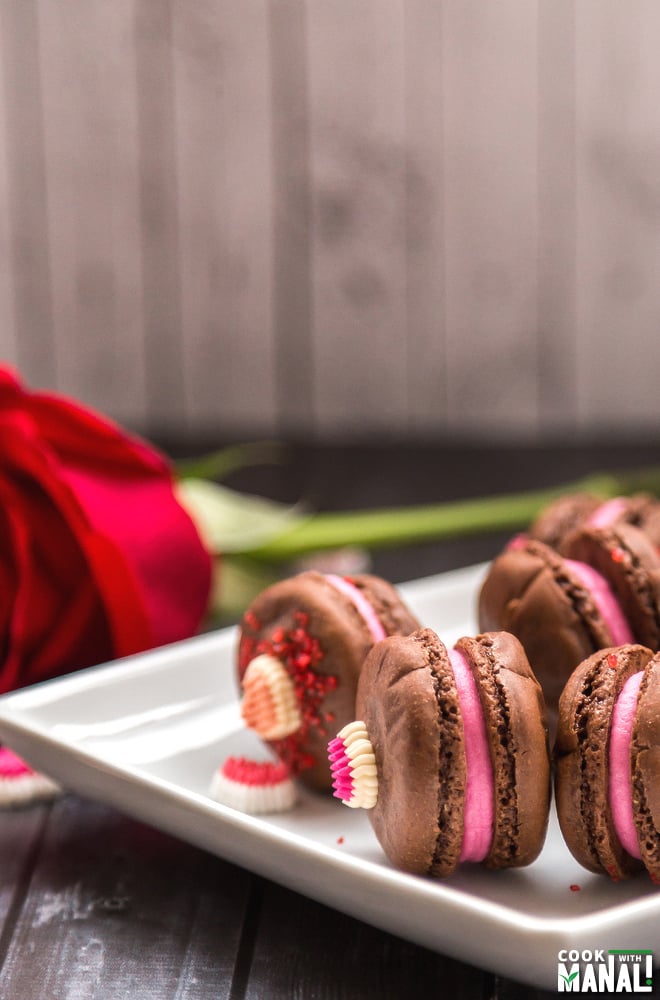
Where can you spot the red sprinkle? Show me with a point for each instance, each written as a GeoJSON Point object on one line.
{"type": "Point", "coordinates": [340, 840]}
{"type": "Point", "coordinates": [251, 621]}
{"type": "Point", "coordinates": [612, 660]}
{"type": "Point", "coordinates": [575, 887]}
{"type": "Point", "coordinates": [300, 653]}
{"type": "Point", "coordinates": [618, 555]}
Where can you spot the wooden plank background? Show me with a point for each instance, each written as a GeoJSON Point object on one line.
{"type": "Point", "coordinates": [335, 218]}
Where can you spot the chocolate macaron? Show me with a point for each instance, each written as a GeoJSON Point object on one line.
{"type": "Point", "coordinates": [604, 591]}
{"type": "Point", "coordinates": [607, 781]}
{"type": "Point", "coordinates": [573, 511]}
{"type": "Point", "coordinates": [302, 643]}
{"type": "Point", "coordinates": [450, 753]}
{"type": "Point", "coordinates": [630, 563]}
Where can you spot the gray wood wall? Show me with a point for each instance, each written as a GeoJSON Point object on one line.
{"type": "Point", "coordinates": [335, 217]}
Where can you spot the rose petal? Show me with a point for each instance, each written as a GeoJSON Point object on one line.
{"type": "Point", "coordinates": [98, 559]}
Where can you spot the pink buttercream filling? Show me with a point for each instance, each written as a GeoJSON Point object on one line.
{"type": "Point", "coordinates": [606, 602]}
{"type": "Point", "coordinates": [479, 810]}
{"type": "Point", "coordinates": [12, 766]}
{"type": "Point", "coordinates": [518, 541]}
{"type": "Point", "coordinates": [355, 595]}
{"type": "Point", "coordinates": [607, 513]}
{"type": "Point", "coordinates": [620, 783]}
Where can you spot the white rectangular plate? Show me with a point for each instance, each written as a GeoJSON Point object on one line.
{"type": "Point", "coordinates": [146, 733]}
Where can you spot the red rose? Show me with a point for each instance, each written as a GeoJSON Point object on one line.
{"type": "Point", "coordinates": [97, 557]}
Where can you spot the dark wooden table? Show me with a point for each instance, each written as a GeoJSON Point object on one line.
{"type": "Point", "coordinates": [96, 905]}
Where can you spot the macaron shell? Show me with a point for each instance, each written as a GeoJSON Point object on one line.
{"type": "Point", "coordinates": [514, 711]}
{"type": "Point", "coordinates": [645, 765]}
{"type": "Point", "coordinates": [344, 639]}
{"type": "Point", "coordinates": [531, 593]}
{"type": "Point", "coordinates": [563, 516]}
{"type": "Point", "coordinates": [405, 685]}
{"type": "Point", "coordinates": [631, 565]}
{"type": "Point", "coordinates": [582, 759]}
{"type": "Point", "coordinates": [650, 523]}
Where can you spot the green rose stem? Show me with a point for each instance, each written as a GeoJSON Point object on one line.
{"type": "Point", "coordinates": [250, 536]}
{"type": "Point", "coordinates": [408, 525]}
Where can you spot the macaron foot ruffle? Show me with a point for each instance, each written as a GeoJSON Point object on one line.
{"type": "Point", "coordinates": [270, 706]}
{"type": "Point", "coordinates": [253, 787]}
{"type": "Point", "coordinates": [353, 767]}
{"type": "Point", "coordinates": [20, 785]}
